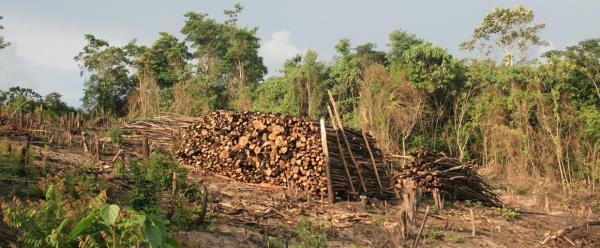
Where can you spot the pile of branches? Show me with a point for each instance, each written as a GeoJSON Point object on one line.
{"type": "Point", "coordinates": [257, 148]}
{"type": "Point", "coordinates": [439, 174]}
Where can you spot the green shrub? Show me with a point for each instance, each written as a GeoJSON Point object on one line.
{"type": "Point", "coordinates": [311, 233]}
{"type": "Point", "coordinates": [63, 221]}
{"type": "Point", "coordinates": [115, 135]}
{"type": "Point", "coordinates": [508, 213]}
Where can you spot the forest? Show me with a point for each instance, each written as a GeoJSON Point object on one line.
{"type": "Point", "coordinates": [523, 120]}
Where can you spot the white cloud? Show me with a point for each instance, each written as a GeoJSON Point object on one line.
{"type": "Point", "coordinates": [277, 50]}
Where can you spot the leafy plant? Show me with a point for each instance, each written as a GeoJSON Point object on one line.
{"type": "Point", "coordinates": [115, 135]}
{"type": "Point", "coordinates": [508, 213]}
{"type": "Point", "coordinates": [311, 233]}
{"type": "Point", "coordinates": [63, 221]}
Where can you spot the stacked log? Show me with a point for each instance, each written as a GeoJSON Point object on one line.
{"type": "Point", "coordinates": [257, 148]}
{"type": "Point", "coordinates": [161, 131]}
{"type": "Point", "coordinates": [439, 174]}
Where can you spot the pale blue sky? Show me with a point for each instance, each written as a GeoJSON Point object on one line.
{"type": "Point", "coordinates": [47, 34]}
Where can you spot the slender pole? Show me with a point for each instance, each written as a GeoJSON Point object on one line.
{"type": "Point", "coordinates": [414, 245]}
{"type": "Point", "coordinates": [372, 159]}
{"type": "Point", "coordinates": [327, 165]}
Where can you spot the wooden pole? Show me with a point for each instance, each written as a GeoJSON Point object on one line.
{"type": "Point", "coordinates": [327, 165]}
{"type": "Point", "coordinates": [339, 122]}
{"type": "Point", "coordinates": [372, 159]}
{"type": "Point", "coordinates": [145, 148]}
{"type": "Point", "coordinates": [472, 223]}
{"type": "Point", "coordinates": [414, 245]}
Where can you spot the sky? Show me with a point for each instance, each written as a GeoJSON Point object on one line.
{"type": "Point", "coordinates": [46, 35]}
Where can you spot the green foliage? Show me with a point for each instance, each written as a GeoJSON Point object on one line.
{"type": "Point", "coordinates": [301, 91]}
{"type": "Point", "coordinates": [115, 135]}
{"type": "Point", "coordinates": [433, 233]}
{"type": "Point", "coordinates": [226, 54]}
{"type": "Point", "coordinates": [62, 220]}
{"type": "Point", "coordinates": [108, 82]}
{"type": "Point", "coordinates": [508, 213]}
{"type": "Point", "coordinates": [153, 178]}
{"type": "Point", "coordinates": [400, 42]}
{"type": "Point", "coordinates": [432, 68]}
{"type": "Point", "coordinates": [506, 29]}
{"type": "Point", "coordinates": [311, 233]}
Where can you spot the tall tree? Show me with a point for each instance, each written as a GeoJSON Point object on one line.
{"type": "Point", "coordinates": [226, 53]}
{"type": "Point", "coordinates": [434, 69]}
{"type": "Point", "coordinates": [509, 29]}
{"type": "Point", "coordinates": [400, 42]}
{"type": "Point", "coordinates": [108, 82]}
{"type": "Point", "coordinates": [167, 58]}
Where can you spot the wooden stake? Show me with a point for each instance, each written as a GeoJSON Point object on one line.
{"type": "Point", "coordinates": [145, 148]}
{"type": "Point", "coordinates": [327, 165]}
{"type": "Point", "coordinates": [174, 183]}
{"type": "Point", "coordinates": [372, 160]}
{"type": "Point", "coordinates": [116, 156]}
{"type": "Point", "coordinates": [414, 245]}
{"type": "Point", "coordinates": [472, 223]}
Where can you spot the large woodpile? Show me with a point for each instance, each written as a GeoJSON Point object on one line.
{"type": "Point", "coordinates": [257, 148]}
{"type": "Point", "coordinates": [287, 151]}
{"type": "Point", "coordinates": [447, 176]}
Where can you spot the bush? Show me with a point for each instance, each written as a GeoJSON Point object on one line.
{"type": "Point", "coordinates": [508, 213]}
{"type": "Point", "coordinates": [115, 135]}
{"type": "Point", "coordinates": [311, 233]}
{"type": "Point", "coordinates": [63, 221]}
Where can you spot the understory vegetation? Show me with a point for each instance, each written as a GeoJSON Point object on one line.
{"type": "Point", "coordinates": [79, 210]}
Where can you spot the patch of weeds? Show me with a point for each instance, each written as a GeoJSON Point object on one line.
{"type": "Point", "coordinates": [508, 213]}
{"type": "Point", "coordinates": [432, 233]}
{"type": "Point", "coordinates": [434, 209]}
{"type": "Point", "coordinates": [277, 242]}
{"type": "Point", "coordinates": [311, 233]}
{"type": "Point", "coordinates": [378, 220]}
{"type": "Point", "coordinates": [115, 135]}
{"type": "Point", "coordinates": [455, 237]}
{"type": "Point", "coordinates": [596, 209]}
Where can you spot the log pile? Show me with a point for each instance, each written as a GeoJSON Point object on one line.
{"type": "Point", "coordinates": [439, 174]}
{"type": "Point", "coordinates": [286, 151]}
{"type": "Point", "coordinates": [257, 148]}
{"type": "Point", "coordinates": [161, 131]}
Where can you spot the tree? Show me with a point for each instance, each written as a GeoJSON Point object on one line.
{"type": "Point", "coordinates": [432, 68]}
{"type": "Point", "coordinates": [20, 100]}
{"type": "Point", "coordinates": [585, 58]}
{"type": "Point", "coordinates": [3, 43]}
{"type": "Point", "coordinates": [167, 58]}
{"type": "Point", "coordinates": [509, 29]}
{"type": "Point", "coordinates": [226, 53]}
{"type": "Point", "coordinates": [300, 91]}
{"type": "Point", "coordinates": [346, 73]}
{"type": "Point", "coordinates": [400, 42]}
{"type": "Point", "coordinates": [108, 85]}
{"type": "Point", "coordinates": [53, 102]}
